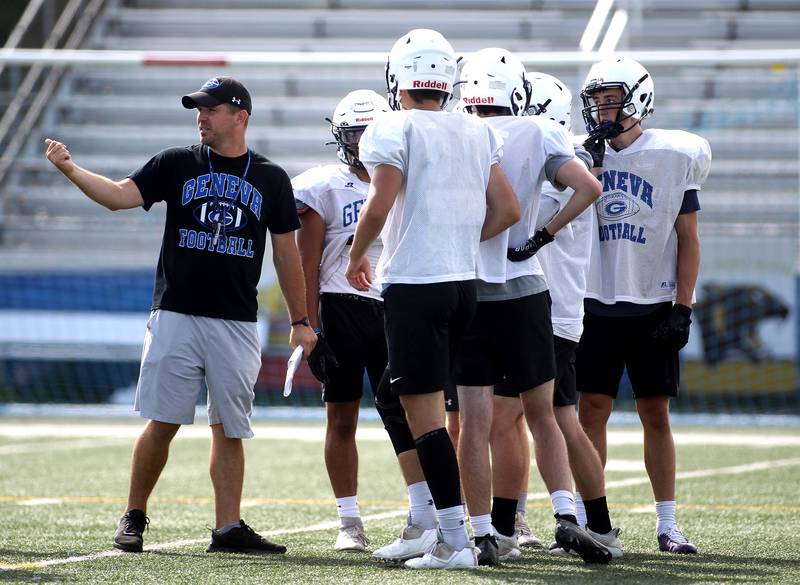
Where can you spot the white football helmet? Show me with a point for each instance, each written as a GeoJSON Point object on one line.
{"type": "Point", "coordinates": [550, 98]}
{"type": "Point", "coordinates": [350, 118]}
{"type": "Point", "coordinates": [495, 77]}
{"type": "Point", "coordinates": [636, 83]}
{"type": "Point", "coordinates": [420, 59]}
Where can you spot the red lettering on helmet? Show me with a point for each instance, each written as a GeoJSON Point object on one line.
{"type": "Point", "coordinates": [430, 84]}
{"type": "Point", "coordinates": [478, 100]}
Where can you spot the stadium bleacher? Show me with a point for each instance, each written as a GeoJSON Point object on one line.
{"type": "Point", "coordinates": [114, 118]}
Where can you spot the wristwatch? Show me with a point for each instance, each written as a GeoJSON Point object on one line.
{"type": "Point", "coordinates": [302, 321]}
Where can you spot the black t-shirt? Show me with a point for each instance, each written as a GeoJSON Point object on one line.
{"type": "Point", "coordinates": [195, 275]}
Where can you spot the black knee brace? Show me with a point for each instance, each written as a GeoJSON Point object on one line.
{"type": "Point", "coordinates": [393, 416]}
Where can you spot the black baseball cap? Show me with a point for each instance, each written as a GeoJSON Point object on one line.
{"type": "Point", "coordinates": [219, 90]}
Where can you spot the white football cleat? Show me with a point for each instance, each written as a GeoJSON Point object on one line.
{"type": "Point", "coordinates": [525, 538]}
{"type": "Point", "coordinates": [507, 547]}
{"type": "Point", "coordinates": [351, 536]}
{"type": "Point", "coordinates": [610, 540]}
{"type": "Point", "coordinates": [444, 556]}
{"type": "Point", "coordinates": [414, 542]}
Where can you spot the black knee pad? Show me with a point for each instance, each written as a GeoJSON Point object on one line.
{"type": "Point", "coordinates": [393, 416]}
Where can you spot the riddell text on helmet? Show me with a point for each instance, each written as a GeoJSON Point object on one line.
{"type": "Point", "coordinates": [478, 100]}
{"type": "Point", "coordinates": [430, 84]}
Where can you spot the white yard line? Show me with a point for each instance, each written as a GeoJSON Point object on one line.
{"type": "Point", "coordinates": [191, 542]}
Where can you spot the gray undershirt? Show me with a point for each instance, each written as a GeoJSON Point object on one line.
{"type": "Point", "coordinates": [516, 288]}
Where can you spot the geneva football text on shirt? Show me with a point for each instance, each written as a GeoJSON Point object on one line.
{"type": "Point", "coordinates": [198, 273]}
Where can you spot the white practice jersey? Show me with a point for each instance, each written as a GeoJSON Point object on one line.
{"type": "Point", "coordinates": [634, 254]}
{"type": "Point", "coordinates": [433, 230]}
{"type": "Point", "coordinates": [530, 144]}
{"type": "Point", "coordinates": [337, 195]}
{"type": "Point", "coordinates": [566, 262]}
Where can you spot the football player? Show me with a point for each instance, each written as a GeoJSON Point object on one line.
{"type": "Point", "coordinates": [642, 272]}
{"type": "Point", "coordinates": [510, 343]}
{"type": "Point", "coordinates": [437, 190]}
{"type": "Point", "coordinates": [565, 264]}
{"type": "Point", "coordinates": [329, 200]}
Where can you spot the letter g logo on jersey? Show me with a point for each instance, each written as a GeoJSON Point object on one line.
{"type": "Point", "coordinates": [616, 206]}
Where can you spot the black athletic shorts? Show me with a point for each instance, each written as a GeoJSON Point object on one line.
{"type": "Point", "coordinates": [450, 397]}
{"type": "Point", "coordinates": [353, 327]}
{"type": "Point", "coordinates": [509, 346]}
{"type": "Point", "coordinates": [565, 393]}
{"type": "Point", "coordinates": [425, 324]}
{"type": "Point", "coordinates": [611, 344]}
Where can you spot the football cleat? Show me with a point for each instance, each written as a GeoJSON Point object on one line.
{"type": "Point", "coordinates": [610, 540]}
{"type": "Point", "coordinates": [414, 542]}
{"type": "Point", "coordinates": [487, 550]}
{"type": "Point", "coordinates": [673, 541]}
{"type": "Point", "coordinates": [555, 550]}
{"type": "Point", "coordinates": [525, 538]}
{"type": "Point", "coordinates": [444, 556]}
{"type": "Point", "coordinates": [571, 537]}
{"type": "Point", "coordinates": [507, 547]}
{"type": "Point", "coordinates": [351, 536]}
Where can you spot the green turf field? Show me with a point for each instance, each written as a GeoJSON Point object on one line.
{"type": "Point", "coordinates": [62, 488]}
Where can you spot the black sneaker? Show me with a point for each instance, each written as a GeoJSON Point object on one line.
{"type": "Point", "coordinates": [243, 539]}
{"type": "Point", "coordinates": [487, 550]}
{"type": "Point", "coordinates": [128, 536]}
{"type": "Point", "coordinates": [570, 536]}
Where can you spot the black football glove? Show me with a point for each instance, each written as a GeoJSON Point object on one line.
{"type": "Point", "coordinates": [322, 360]}
{"type": "Point", "coordinates": [595, 143]}
{"type": "Point", "coordinates": [530, 247]}
{"type": "Point", "coordinates": [675, 329]}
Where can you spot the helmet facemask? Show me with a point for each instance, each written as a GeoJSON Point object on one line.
{"type": "Point", "coordinates": [635, 88]}
{"type": "Point", "coordinates": [352, 115]}
{"type": "Point", "coordinates": [346, 140]}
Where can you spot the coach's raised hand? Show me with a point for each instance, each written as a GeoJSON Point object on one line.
{"type": "Point", "coordinates": [58, 154]}
{"type": "Point", "coordinates": [114, 195]}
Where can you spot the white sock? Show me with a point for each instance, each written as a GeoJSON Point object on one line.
{"type": "Point", "coordinates": [563, 502]}
{"type": "Point", "coordinates": [453, 527]}
{"type": "Point", "coordinates": [522, 502]}
{"type": "Point", "coordinates": [348, 507]}
{"type": "Point", "coordinates": [666, 516]}
{"type": "Point", "coordinates": [580, 509]}
{"type": "Point", "coordinates": [481, 525]}
{"type": "Point", "coordinates": [420, 506]}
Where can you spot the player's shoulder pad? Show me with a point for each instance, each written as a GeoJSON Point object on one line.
{"type": "Point", "coordinates": [315, 178]}
{"type": "Point", "coordinates": [388, 124]}
{"type": "Point", "coordinates": [694, 147]}
{"type": "Point", "coordinates": [310, 186]}
{"type": "Point", "coordinates": [690, 144]}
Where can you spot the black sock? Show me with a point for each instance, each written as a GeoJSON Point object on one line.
{"type": "Point", "coordinates": [440, 466]}
{"type": "Point", "coordinates": [504, 511]}
{"type": "Point", "coordinates": [597, 519]}
{"type": "Point", "coordinates": [567, 517]}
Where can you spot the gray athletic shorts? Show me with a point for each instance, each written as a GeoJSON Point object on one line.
{"type": "Point", "coordinates": [180, 351]}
